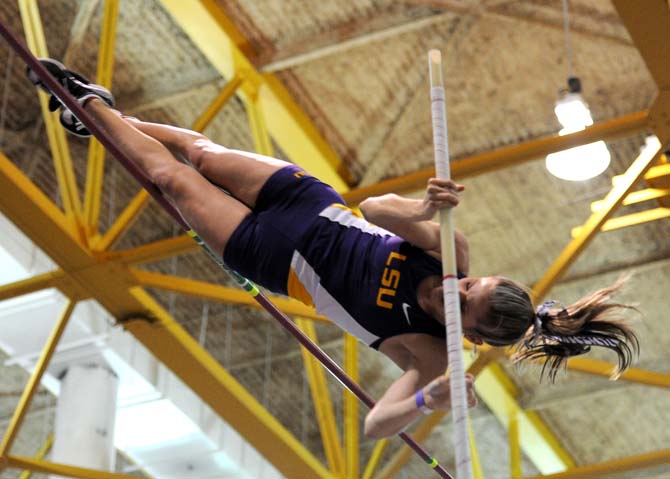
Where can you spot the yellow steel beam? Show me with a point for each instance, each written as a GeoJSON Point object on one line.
{"type": "Point", "coordinates": [151, 252]}
{"type": "Point", "coordinates": [132, 212]}
{"type": "Point", "coordinates": [105, 69]}
{"type": "Point", "coordinates": [583, 365]}
{"type": "Point", "coordinates": [485, 357]}
{"type": "Point", "coordinates": [425, 428]}
{"type": "Point", "coordinates": [351, 406]}
{"type": "Point", "coordinates": [37, 465]}
{"type": "Point", "coordinates": [35, 379]}
{"type": "Point", "coordinates": [515, 457]}
{"type": "Point", "coordinates": [258, 126]}
{"type": "Point", "coordinates": [635, 197]}
{"type": "Point", "coordinates": [616, 466]}
{"type": "Point", "coordinates": [39, 455]}
{"type": "Point", "coordinates": [589, 366]}
{"type": "Point", "coordinates": [215, 106]}
{"type": "Point", "coordinates": [604, 369]}
{"type": "Point", "coordinates": [375, 458]}
{"type": "Point", "coordinates": [124, 222]}
{"type": "Point", "coordinates": [592, 225]}
{"type": "Point", "coordinates": [96, 152]}
{"type": "Point", "coordinates": [52, 279]}
{"type": "Point", "coordinates": [323, 406]}
{"type": "Point", "coordinates": [647, 22]}
{"type": "Point", "coordinates": [218, 39]}
{"type": "Point", "coordinates": [655, 172]}
{"type": "Point", "coordinates": [477, 471]}
{"type": "Point", "coordinates": [537, 441]}
{"type": "Point", "coordinates": [404, 453]}
{"type": "Point", "coordinates": [32, 26]}
{"type": "Point", "coordinates": [215, 292]}
{"type": "Point", "coordinates": [207, 378]}
{"type": "Point", "coordinates": [632, 219]}
{"type": "Point", "coordinates": [506, 156]}
{"type": "Point", "coordinates": [112, 286]}
{"type": "Point", "coordinates": [56, 225]}
{"type": "Point", "coordinates": [662, 183]}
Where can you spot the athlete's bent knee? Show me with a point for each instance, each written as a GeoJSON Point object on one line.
{"type": "Point", "coordinates": [209, 157]}
{"type": "Point", "coordinates": [199, 149]}
{"type": "Point", "coordinates": [172, 178]}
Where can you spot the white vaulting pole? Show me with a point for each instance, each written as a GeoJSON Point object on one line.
{"type": "Point", "coordinates": [452, 311]}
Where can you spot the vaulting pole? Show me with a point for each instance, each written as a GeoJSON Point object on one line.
{"type": "Point", "coordinates": [452, 311]}
{"type": "Point", "coordinates": [247, 285]}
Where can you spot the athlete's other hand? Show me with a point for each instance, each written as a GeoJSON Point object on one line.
{"type": "Point", "coordinates": [440, 193]}
{"type": "Point", "coordinates": [437, 393]}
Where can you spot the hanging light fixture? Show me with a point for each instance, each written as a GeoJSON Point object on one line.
{"type": "Point", "coordinates": [581, 162]}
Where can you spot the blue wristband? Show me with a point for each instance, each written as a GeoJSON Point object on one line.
{"type": "Point", "coordinates": [421, 403]}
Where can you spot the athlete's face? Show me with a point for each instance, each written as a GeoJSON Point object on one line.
{"type": "Point", "coordinates": [474, 298]}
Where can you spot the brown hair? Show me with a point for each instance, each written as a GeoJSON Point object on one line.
{"type": "Point", "coordinates": [553, 333]}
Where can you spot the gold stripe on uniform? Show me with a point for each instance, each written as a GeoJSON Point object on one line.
{"type": "Point", "coordinates": [297, 290]}
{"type": "Point", "coordinates": [345, 207]}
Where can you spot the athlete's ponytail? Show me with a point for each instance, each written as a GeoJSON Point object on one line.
{"type": "Point", "coordinates": [554, 333]}
{"type": "Point", "coordinates": [558, 333]}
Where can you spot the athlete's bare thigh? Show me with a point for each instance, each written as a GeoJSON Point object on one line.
{"type": "Point", "coordinates": [241, 173]}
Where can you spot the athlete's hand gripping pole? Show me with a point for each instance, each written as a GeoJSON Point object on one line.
{"type": "Point", "coordinates": [452, 311]}
{"type": "Point", "coordinates": [284, 320]}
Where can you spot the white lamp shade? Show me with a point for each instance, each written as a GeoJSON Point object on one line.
{"type": "Point", "coordinates": [579, 163]}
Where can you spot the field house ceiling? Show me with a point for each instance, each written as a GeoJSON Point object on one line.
{"type": "Point", "coordinates": [357, 72]}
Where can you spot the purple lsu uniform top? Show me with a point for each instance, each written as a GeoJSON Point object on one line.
{"type": "Point", "coordinates": [300, 240]}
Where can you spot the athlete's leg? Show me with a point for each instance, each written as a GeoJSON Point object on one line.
{"type": "Point", "coordinates": [209, 211]}
{"type": "Point", "coordinates": [241, 173]}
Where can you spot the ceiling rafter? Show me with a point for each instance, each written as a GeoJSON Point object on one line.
{"type": "Point", "coordinates": [210, 291]}
{"type": "Point", "coordinates": [381, 161]}
{"type": "Point", "coordinates": [80, 26]}
{"type": "Point", "coordinates": [332, 43]}
{"type": "Point", "coordinates": [615, 466]}
{"type": "Point", "coordinates": [506, 156]}
{"type": "Point", "coordinates": [355, 34]}
{"type": "Point", "coordinates": [214, 34]}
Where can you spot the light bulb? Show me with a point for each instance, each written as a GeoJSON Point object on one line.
{"type": "Point", "coordinates": [581, 162]}
{"type": "Point", "coordinates": [573, 113]}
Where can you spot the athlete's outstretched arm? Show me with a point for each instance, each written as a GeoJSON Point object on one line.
{"type": "Point", "coordinates": [397, 407]}
{"type": "Point", "coordinates": [411, 218]}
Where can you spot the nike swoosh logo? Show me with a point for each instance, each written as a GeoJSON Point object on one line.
{"type": "Point", "coordinates": [405, 309]}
